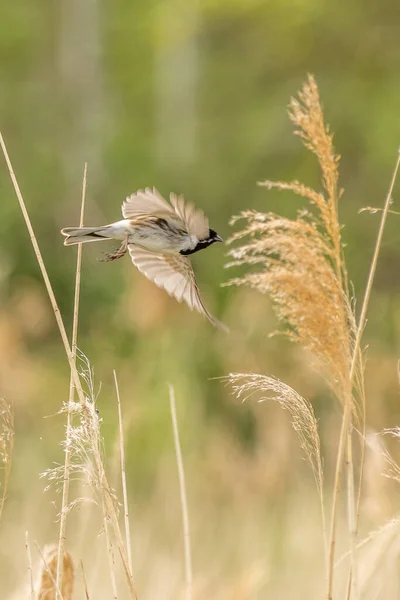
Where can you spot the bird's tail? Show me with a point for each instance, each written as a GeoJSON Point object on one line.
{"type": "Point", "coordinates": [81, 235]}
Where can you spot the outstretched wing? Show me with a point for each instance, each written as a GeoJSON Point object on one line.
{"type": "Point", "coordinates": [146, 202]}
{"type": "Point", "coordinates": [195, 221]}
{"type": "Point", "coordinates": [150, 202]}
{"type": "Point", "coordinates": [175, 275]}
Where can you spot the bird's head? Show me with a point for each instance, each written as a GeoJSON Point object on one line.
{"type": "Point", "coordinates": [211, 238]}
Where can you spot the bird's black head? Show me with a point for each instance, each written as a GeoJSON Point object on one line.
{"type": "Point", "coordinates": [211, 239]}
{"type": "Point", "coordinates": [214, 237]}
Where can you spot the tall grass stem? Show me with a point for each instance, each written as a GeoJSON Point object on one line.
{"type": "Point", "coordinates": [67, 463]}
{"type": "Point", "coordinates": [346, 421]}
{"type": "Point", "coordinates": [45, 276]}
{"type": "Point", "coordinates": [30, 569]}
{"type": "Point", "coordinates": [123, 477]}
{"type": "Point", "coordinates": [182, 486]}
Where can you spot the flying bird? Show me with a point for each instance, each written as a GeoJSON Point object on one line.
{"type": "Point", "coordinates": [159, 237]}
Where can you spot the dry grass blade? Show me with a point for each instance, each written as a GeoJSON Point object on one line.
{"type": "Point", "coordinates": [110, 553]}
{"type": "Point", "coordinates": [30, 569]}
{"type": "Point", "coordinates": [123, 477]}
{"type": "Point", "coordinates": [47, 588]}
{"type": "Point", "coordinates": [45, 276]}
{"type": "Point", "coordinates": [6, 449]}
{"type": "Point", "coordinates": [84, 581]}
{"type": "Point", "coordinates": [182, 486]}
{"type": "Point", "coordinates": [66, 479]}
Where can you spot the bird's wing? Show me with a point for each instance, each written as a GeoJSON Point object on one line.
{"type": "Point", "coordinates": [146, 202]}
{"type": "Point", "coordinates": [195, 221]}
{"type": "Point", "coordinates": [175, 275]}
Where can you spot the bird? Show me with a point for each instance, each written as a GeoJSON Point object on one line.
{"type": "Point", "coordinates": [159, 236]}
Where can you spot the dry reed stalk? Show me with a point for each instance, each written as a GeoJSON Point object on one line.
{"type": "Point", "coordinates": [45, 276]}
{"type": "Point", "coordinates": [84, 581]}
{"type": "Point", "coordinates": [67, 466]}
{"type": "Point", "coordinates": [109, 509]}
{"type": "Point", "coordinates": [352, 583]}
{"type": "Point", "coordinates": [30, 570]}
{"type": "Point", "coordinates": [356, 351]}
{"type": "Point", "coordinates": [93, 433]}
{"type": "Point", "coordinates": [7, 434]}
{"type": "Point", "coordinates": [182, 487]}
{"type": "Point", "coordinates": [110, 554]}
{"type": "Point", "coordinates": [353, 497]}
{"type": "Point", "coordinates": [123, 477]}
{"type": "Point", "coordinates": [48, 589]}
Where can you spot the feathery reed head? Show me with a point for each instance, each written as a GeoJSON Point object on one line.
{"type": "Point", "coordinates": [246, 385]}
{"type": "Point", "coordinates": [298, 262]}
{"type": "Point", "coordinates": [48, 574]}
{"type": "Point", "coordinates": [84, 443]}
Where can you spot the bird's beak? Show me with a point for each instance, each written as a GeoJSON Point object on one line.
{"type": "Point", "coordinates": [218, 238]}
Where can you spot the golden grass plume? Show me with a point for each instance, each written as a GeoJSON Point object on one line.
{"type": "Point", "coordinates": [299, 262]}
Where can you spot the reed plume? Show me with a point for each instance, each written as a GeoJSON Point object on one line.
{"type": "Point", "coordinates": [302, 416]}
{"type": "Point", "coordinates": [299, 262]}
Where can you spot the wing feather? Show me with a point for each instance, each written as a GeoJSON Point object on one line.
{"type": "Point", "coordinates": [194, 219]}
{"type": "Point", "coordinates": [150, 202]}
{"type": "Point", "coordinates": [175, 275]}
{"type": "Point", "coordinates": [146, 202]}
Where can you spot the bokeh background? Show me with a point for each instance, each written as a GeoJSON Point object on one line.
{"type": "Point", "coordinates": [189, 97]}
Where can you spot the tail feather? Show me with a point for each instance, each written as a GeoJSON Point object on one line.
{"type": "Point", "coordinates": [81, 235]}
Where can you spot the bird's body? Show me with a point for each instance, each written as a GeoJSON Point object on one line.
{"type": "Point", "coordinates": [159, 237]}
{"type": "Point", "coordinates": [153, 233]}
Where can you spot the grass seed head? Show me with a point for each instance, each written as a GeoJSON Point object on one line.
{"type": "Point", "coordinates": [299, 262]}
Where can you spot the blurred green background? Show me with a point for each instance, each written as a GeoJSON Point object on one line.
{"type": "Point", "coordinates": [189, 97]}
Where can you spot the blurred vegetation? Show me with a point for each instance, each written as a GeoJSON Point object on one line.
{"type": "Point", "coordinates": [188, 97]}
